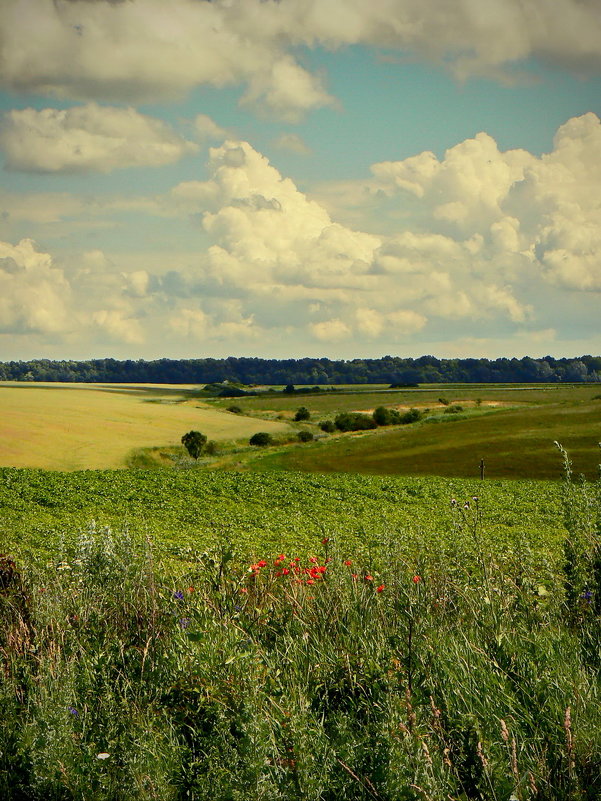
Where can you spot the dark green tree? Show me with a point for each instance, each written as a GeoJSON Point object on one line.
{"type": "Point", "coordinates": [302, 414]}
{"type": "Point", "coordinates": [194, 442]}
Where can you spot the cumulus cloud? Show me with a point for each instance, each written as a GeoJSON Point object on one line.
{"type": "Point", "coordinates": [145, 50]}
{"type": "Point", "coordinates": [479, 235]}
{"type": "Point", "coordinates": [34, 294]}
{"type": "Point", "coordinates": [88, 138]}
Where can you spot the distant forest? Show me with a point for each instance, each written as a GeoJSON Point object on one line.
{"type": "Point", "coordinates": [387, 370]}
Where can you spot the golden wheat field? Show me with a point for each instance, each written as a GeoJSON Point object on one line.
{"type": "Point", "coordinates": [94, 426]}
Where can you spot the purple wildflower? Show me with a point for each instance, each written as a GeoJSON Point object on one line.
{"type": "Point", "coordinates": [184, 622]}
{"type": "Point", "coordinates": [73, 711]}
{"type": "Point", "coordinates": [179, 595]}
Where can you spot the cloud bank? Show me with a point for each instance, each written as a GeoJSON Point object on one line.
{"type": "Point", "coordinates": [148, 51]}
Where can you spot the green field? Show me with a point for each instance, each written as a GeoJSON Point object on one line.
{"type": "Point", "coordinates": [97, 426]}
{"type": "Point", "coordinates": [186, 635]}
{"type": "Point", "coordinates": [513, 428]}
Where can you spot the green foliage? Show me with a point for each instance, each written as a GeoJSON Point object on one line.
{"type": "Point", "coordinates": [261, 438]}
{"type": "Point", "coordinates": [328, 426]}
{"type": "Point", "coordinates": [454, 409]}
{"type": "Point", "coordinates": [354, 421]}
{"type": "Point", "coordinates": [302, 414]}
{"type": "Point", "coordinates": [234, 409]}
{"type": "Point", "coordinates": [444, 401]}
{"type": "Point", "coordinates": [194, 442]}
{"type": "Point", "coordinates": [412, 416]}
{"type": "Point", "coordinates": [305, 436]}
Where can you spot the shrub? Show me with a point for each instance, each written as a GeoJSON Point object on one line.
{"type": "Point", "coordinates": [261, 438]}
{"type": "Point", "coordinates": [444, 401]}
{"type": "Point", "coordinates": [453, 409]}
{"type": "Point", "coordinates": [327, 426]}
{"type": "Point", "coordinates": [412, 416]}
{"type": "Point", "coordinates": [302, 414]}
{"type": "Point", "coordinates": [211, 448]}
{"type": "Point", "coordinates": [305, 436]}
{"type": "Point", "coordinates": [354, 421]}
{"type": "Point", "coordinates": [386, 417]}
{"type": "Point", "coordinates": [234, 409]}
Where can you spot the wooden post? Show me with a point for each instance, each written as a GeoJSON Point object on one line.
{"type": "Point", "coordinates": [481, 469]}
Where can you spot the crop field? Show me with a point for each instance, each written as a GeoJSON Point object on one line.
{"type": "Point", "coordinates": [94, 426]}
{"type": "Point", "coordinates": [194, 634]}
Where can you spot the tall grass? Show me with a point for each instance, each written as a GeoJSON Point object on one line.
{"type": "Point", "coordinates": [461, 674]}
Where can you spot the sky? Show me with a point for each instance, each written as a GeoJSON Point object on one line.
{"type": "Point", "coordinates": [293, 178]}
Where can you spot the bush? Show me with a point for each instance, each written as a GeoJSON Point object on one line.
{"type": "Point", "coordinates": [327, 426]}
{"type": "Point", "coordinates": [302, 414]}
{"type": "Point", "coordinates": [305, 436]}
{"type": "Point", "coordinates": [211, 448]}
{"type": "Point", "coordinates": [412, 416]}
{"type": "Point", "coordinates": [453, 409]}
{"type": "Point", "coordinates": [444, 401]}
{"type": "Point", "coordinates": [261, 438]}
{"type": "Point", "coordinates": [386, 417]}
{"type": "Point", "coordinates": [234, 409]}
{"type": "Point", "coordinates": [354, 421]}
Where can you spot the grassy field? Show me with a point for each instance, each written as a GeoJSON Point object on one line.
{"type": "Point", "coordinates": [294, 637]}
{"type": "Point", "coordinates": [515, 442]}
{"type": "Point", "coordinates": [96, 426]}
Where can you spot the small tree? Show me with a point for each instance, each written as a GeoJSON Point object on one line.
{"type": "Point", "coordinates": [194, 442]}
{"type": "Point", "coordinates": [261, 438]}
{"type": "Point", "coordinates": [305, 436]}
{"type": "Point", "coordinates": [302, 414]}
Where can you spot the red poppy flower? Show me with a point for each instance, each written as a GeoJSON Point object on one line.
{"type": "Point", "coordinates": [243, 589]}
{"type": "Point", "coordinates": [416, 579]}
{"type": "Point", "coordinates": [262, 563]}
{"type": "Point", "coordinates": [369, 578]}
{"type": "Point", "coordinates": [380, 588]}
{"type": "Point", "coordinates": [190, 589]}
{"type": "Point", "coordinates": [310, 581]}
{"type": "Point", "coordinates": [325, 540]}
{"type": "Point", "coordinates": [348, 562]}
{"type": "Point", "coordinates": [313, 559]}
{"type": "Point", "coordinates": [285, 571]}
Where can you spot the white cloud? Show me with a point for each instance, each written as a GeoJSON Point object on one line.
{"type": "Point", "coordinates": [34, 294]}
{"type": "Point", "coordinates": [146, 50]}
{"type": "Point", "coordinates": [89, 138]}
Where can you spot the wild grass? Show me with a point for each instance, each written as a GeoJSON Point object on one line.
{"type": "Point", "coordinates": [453, 670]}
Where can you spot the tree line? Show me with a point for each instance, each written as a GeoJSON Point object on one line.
{"type": "Point", "coordinates": [392, 370]}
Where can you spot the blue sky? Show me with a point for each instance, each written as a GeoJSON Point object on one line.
{"type": "Point", "coordinates": [299, 178]}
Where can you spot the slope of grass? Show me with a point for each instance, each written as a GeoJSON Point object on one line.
{"type": "Point", "coordinates": [514, 443]}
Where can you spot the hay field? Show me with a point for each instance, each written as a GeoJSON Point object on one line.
{"type": "Point", "coordinates": [94, 426]}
